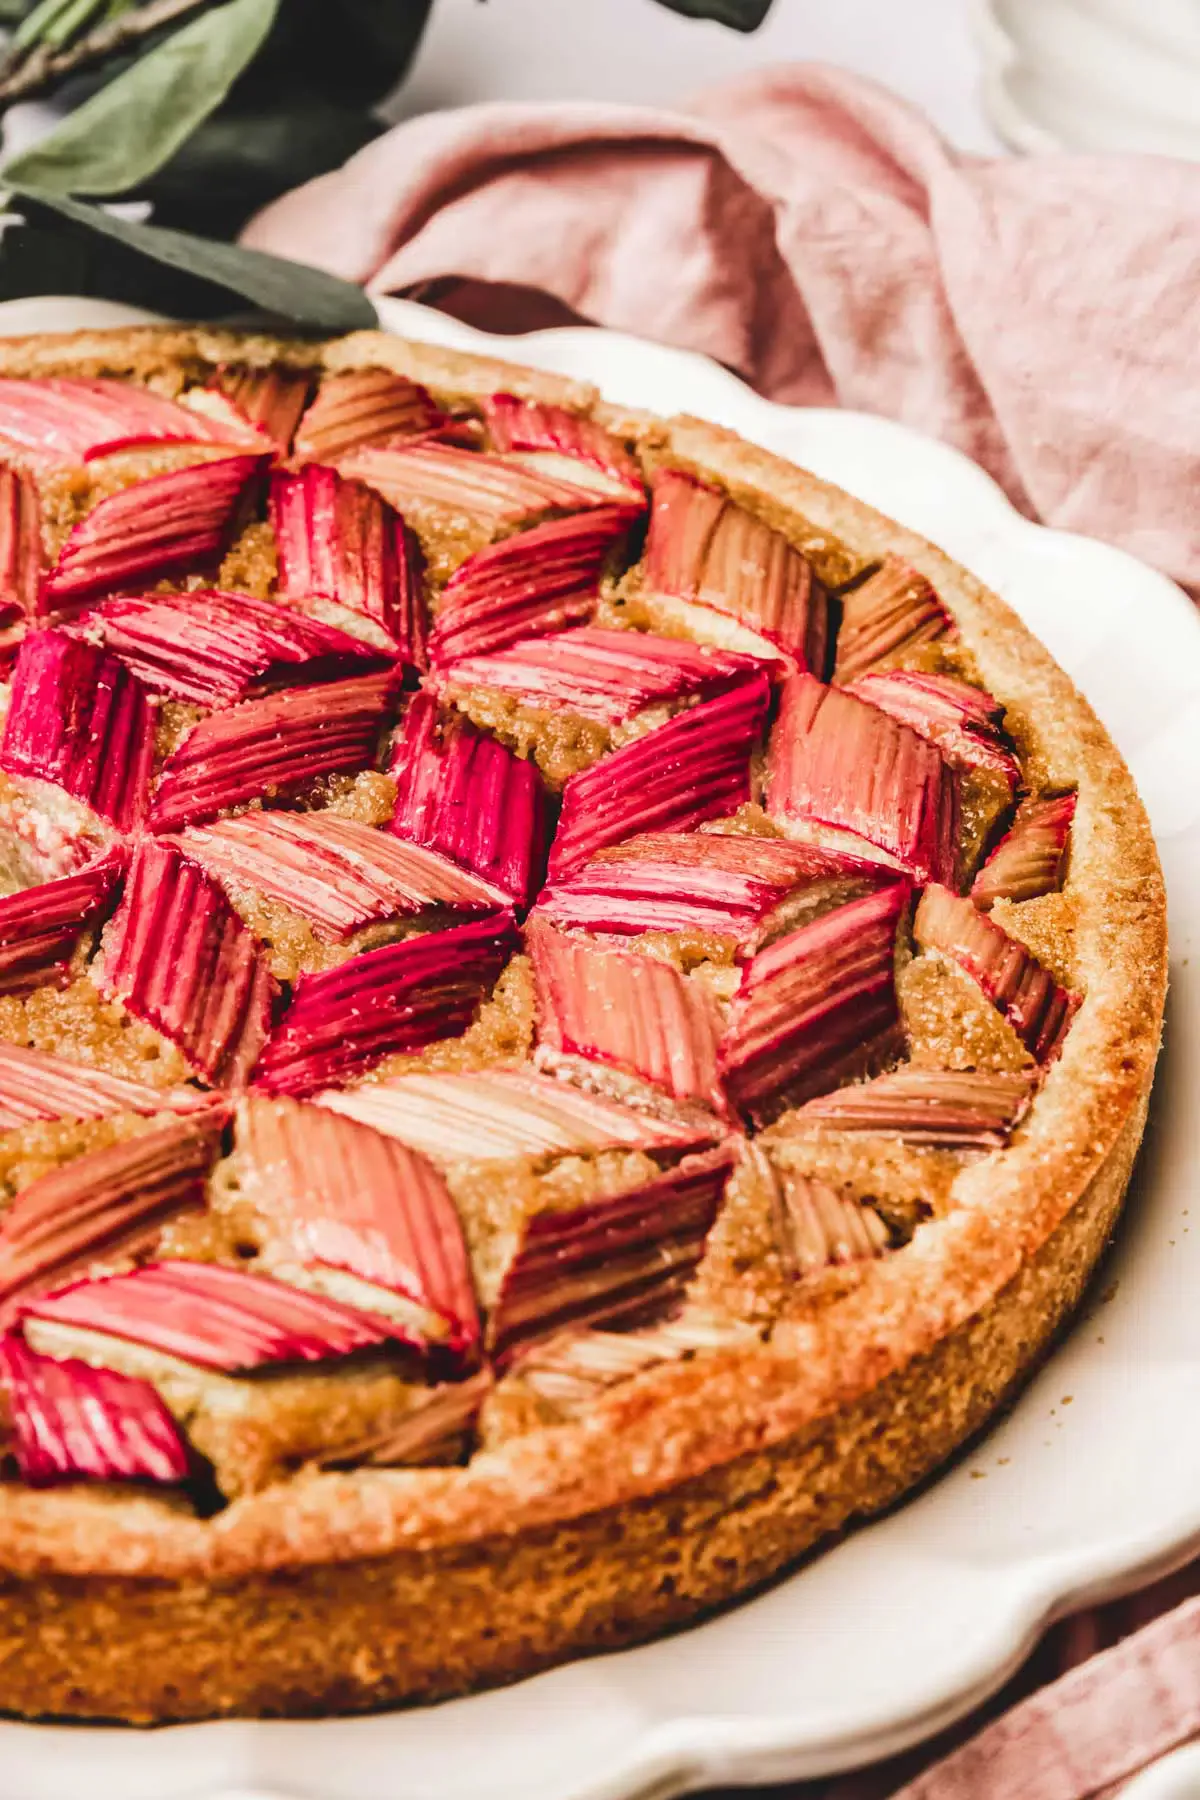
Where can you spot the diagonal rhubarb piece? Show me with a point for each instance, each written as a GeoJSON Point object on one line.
{"type": "Point", "coordinates": [390, 1001]}
{"type": "Point", "coordinates": [1031, 859]}
{"type": "Point", "coordinates": [558, 442]}
{"type": "Point", "coordinates": [820, 1225]}
{"type": "Point", "coordinates": [20, 547]}
{"type": "Point", "coordinates": [693, 768]}
{"type": "Point", "coordinates": [496, 1115]}
{"type": "Point", "coordinates": [170, 523]}
{"type": "Point", "coordinates": [79, 720]}
{"type": "Point", "coordinates": [715, 570]}
{"type": "Point", "coordinates": [357, 407]}
{"type": "Point", "coordinates": [255, 403]}
{"type": "Point", "coordinates": [180, 958]}
{"type": "Point", "coordinates": [215, 1317]}
{"type": "Point", "coordinates": [1036, 1007]}
{"type": "Point", "coordinates": [337, 873]}
{"type": "Point", "coordinates": [434, 1432]}
{"type": "Point", "coordinates": [469, 797]}
{"type": "Point", "coordinates": [633, 1012]}
{"type": "Point", "coordinates": [65, 420]}
{"type": "Point", "coordinates": [604, 675]}
{"type": "Point", "coordinates": [529, 585]}
{"type": "Point", "coordinates": [894, 611]}
{"type": "Point", "coordinates": [955, 1109]}
{"type": "Point", "coordinates": [40, 927]}
{"type": "Point", "coordinates": [71, 1421]}
{"type": "Point", "coordinates": [105, 1202]}
{"type": "Point", "coordinates": [269, 748]}
{"type": "Point", "coordinates": [35, 1085]}
{"type": "Point", "coordinates": [495, 492]}
{"type": "Point", "coordinates": [214, 649]}
{"type": "Point", "coordinates": [573, 1368]}
{"type": "Point", "coordinates": [729, 885]}
{"type": "Point", "coordinates": [965, 722]}
{"type": "Point", "coordinates": [340, 546]}
{"type": "Point", "coordinates": [815, 1005]}
{"type": "Point", "coordinates": [344, 1196]}
{"type": "Point", "coordinates": [627, 1257]}
{"type": "Point", "coordinates": [837, 761]}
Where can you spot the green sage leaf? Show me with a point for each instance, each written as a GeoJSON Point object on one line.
{"type": "Point", "coordinates": [136, 122]}
{"type": "Point", "coordinates": [357, 63]}
{"type": "Point", "coordinates": [242, 158]}
{"type": "Point", "coordinates": [741, 15]}
{"type": "Point", "coordinates": [288, 290]}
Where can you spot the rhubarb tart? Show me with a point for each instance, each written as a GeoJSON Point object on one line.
{"type": "Point", "coordinates": [576, 1007]}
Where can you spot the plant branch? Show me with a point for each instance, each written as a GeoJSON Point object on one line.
{"type": "Point", "coordinates": [44, 67]}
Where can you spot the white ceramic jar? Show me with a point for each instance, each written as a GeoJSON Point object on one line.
{"type": "Point", "coordinates": [1093, 74]}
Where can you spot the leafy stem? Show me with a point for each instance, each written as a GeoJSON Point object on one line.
{"type": "Point", "coordinates": [42, 66]}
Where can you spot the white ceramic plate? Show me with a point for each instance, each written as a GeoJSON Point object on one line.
{"type": "Point", "coordinates": [1090, 1485]}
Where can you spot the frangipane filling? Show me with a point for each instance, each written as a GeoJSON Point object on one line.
{"type": "Point", "coordinates": [486, 918]}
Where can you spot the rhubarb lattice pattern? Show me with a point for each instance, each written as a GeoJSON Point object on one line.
{"type": "Point", "coordinates": [486, 917]}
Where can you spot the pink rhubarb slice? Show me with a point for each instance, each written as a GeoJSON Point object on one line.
{"type": "Point", "coordinates": [709, 883]}
{"type": "Point", "coordinates": [264, 403]}
{"type": "Point", "coordinates": [714, 568]}
{"type": "Point", "coordinates": [574, 1367]}
{"type": "Point", "coordinates": [71, 1422]}
{"type": "Point", "coordinates": [626, 1258]}
{"type": "Point", "coordinates": [465, 795]}
{"type": "Point", "coordinates": [357, 407]}
{"type": "Point", "coordinates": [175, 522]}
{"type": "Point", "coordinates": [390, 1001]}
{"type": "Point", "coordinates": [821, 1226]}
{"type": "Point", "coordinates": [894, 612]}
{"type": "Point", "coordinates": [180, 958]}
{"type": "Point", "coordinates": [269, 748]}
{"type": "Point", "coordinates": [965, 722]}
{"type": "Point", "coordinates": [214, 649]}
{"type": "Point", "coordinates": [66, 420]}
{"type": "Point", "coordinates": [529, 585]}
{"type": "Point", "coordinates": [337, 873]}
{"type": "Point", "coordinates": [215, 1317]}
{"type": "Point", "coordinates": [815, 1005]}
{"type": "Point", "coordinates": [35, 1085]}
{"type": "Point", "coordinates": [633, 1012]}
{"type": "Point", "coordinates": [496, 1115]}
{"type": "Point", "coordinates": [79, 720]}
{"type": "Point", "coordinates": [954, 1109]}
{"type": "Point", "coordinates": [693, 768]}
{"type": "Point", "coordinates": [836, 761]}
{"type": "Point", "coordinates": [340, 545]}
{"type": "Point", "coordinates": [347, 1198]}
{"type": "Point", "coordinates": [106, 1202]}
{"type": "Point", "coordinates": [40, 927]}
{"type": "Point", "coordinates": [1037, 1008]}
{"type": "Point", "coordinates": [434, 1432]}
{"type": "Point", "coordinates": [558, 442]}
{"type": "Point", "coordinates": [20, 547]}
{"type": "Point", "coordinates": [1031, 858]}
{"type": "Point", "coordinates": [495, 492]}
{"type": "Point", "coordinates": [604, 675]}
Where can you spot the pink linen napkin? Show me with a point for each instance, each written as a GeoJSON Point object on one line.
{"type": "Point", "coordinates": [814, 233]}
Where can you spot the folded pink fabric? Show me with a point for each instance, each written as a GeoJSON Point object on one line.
{"type": "Point", "coordinates": [814, 233]}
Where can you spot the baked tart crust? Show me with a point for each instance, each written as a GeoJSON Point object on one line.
{"type": "Point", "coordinates": [815, 1363]}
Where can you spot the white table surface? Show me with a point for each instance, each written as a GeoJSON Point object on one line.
{"type": "Point", "coordinates": [636, 50]}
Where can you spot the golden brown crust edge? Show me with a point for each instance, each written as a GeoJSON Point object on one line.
{"type": "Point", "coordinates": [356, 1590]}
